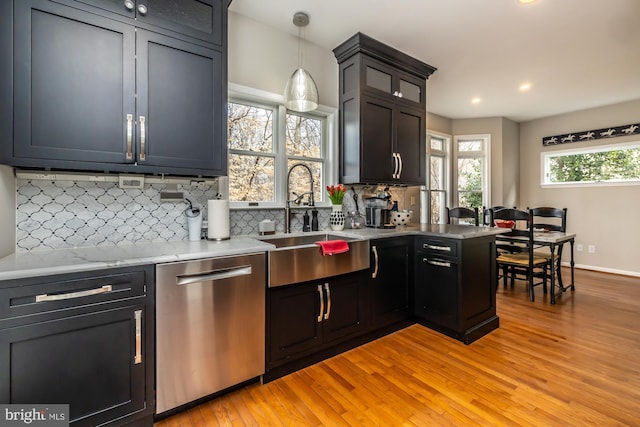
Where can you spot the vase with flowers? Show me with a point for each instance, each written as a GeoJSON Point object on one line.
{"type": "Point", "coordinates": [336, 217]}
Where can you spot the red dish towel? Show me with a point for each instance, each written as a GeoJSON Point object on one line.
{"type": "Point", "coordinates": [333, 247]}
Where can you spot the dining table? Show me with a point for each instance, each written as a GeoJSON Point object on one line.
{"type": "Point", "coordinates": [553, 240]}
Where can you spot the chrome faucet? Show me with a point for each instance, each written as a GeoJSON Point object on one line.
{"type": "Point", "coordinates": [287, 209]}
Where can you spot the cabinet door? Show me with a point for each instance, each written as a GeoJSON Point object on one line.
{"type": "Point", "coordinates": [436, 290]}
{"type": "Point", "coordinates": [201, 19]}
{"type": "Point", "coordinates": [411, 145]}
{"type": "Point", "coordinates": [295, 320]}
{"type": "Point", "coordinates": [345, 309]}
{"type": "Point", "coordinates": [390, 286]}
{"type": "Point", "coordinates": [181, 104]}
{"type": "Point", "coordinates": [94, 362]}
{"type": "Point", "coordinates": [74, 78]}
{"type": "Point", "coordinates": [377, 127]}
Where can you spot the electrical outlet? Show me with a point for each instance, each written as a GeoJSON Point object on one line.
{"type": "Point", "coordinates": [591, 249]}
{"type": "Point", "coordinates": [579, 247]}
{"type": "Point", "coordinates": [413, 200]}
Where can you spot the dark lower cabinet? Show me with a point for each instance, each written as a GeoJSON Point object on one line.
{"type": "Point", "coordinates": [454, 286]}
{"type": "Point", "coordinates": [388, 279]}
{"type": "Point", "coordinates": [308, 317]}
{"type": "Point", "coordinates": [82, 340]}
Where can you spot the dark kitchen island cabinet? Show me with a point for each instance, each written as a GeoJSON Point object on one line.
{"type": "Point", "coordinates": [83, 339]}
{"type": "Point", "coordinates": [98, 90]}
{"type": "Point", "coordinates": [306, 318]}
{"type": "Point", "coordinates": [389, 281]}
{"type": "Point", "coordinates": [382, 95]}
{"type": "Point", "coordinates": [455, 286]}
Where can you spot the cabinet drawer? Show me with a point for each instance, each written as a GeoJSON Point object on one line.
{"type": "Point", "coordinates": [41, 295]}
{"type": "Point", "coordinates": [438, 247]}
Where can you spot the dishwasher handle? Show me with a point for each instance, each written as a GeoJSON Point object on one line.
{"type": "Point", "coordinates": [244, 270]}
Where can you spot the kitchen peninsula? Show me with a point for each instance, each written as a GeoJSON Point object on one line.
{"type": "Point", "coordinates": [441, 276]}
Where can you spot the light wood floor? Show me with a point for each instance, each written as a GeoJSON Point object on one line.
{"type": "Point", "coordinates": [573, 364]}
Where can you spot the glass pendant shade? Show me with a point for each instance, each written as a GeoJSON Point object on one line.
{"type": "Point", "coordinates": [301, 93]}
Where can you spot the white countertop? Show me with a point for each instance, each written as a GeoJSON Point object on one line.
{"type": "Point", "coordinates": [58, 261]}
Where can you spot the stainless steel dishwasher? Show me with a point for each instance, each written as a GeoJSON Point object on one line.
{"type": "Point", "coordinates": [210, 326]}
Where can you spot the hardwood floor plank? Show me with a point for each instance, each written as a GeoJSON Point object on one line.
{"type": "Point", "coordinates": [573, 363]}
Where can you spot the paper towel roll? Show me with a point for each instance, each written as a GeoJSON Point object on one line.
{"type": "Point", "coordinates": [218, 218]}
{"type": "Point", "coordinates": [424, 205]}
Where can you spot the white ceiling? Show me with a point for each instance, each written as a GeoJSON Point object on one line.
{"type": "Point", "coordinates": [576, 54]}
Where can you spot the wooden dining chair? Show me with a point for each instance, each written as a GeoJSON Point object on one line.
{"type": "Point", "coordinates": [547, 219]}
{"type": "Point", "coordinates": [463, 213]}
{"type": "Point", "coordinates": [516, 256]}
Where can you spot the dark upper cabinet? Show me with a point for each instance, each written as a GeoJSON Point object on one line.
{"type": "Point", "coordinates": [95, 93]}
{"type": "Point", "coordinates": [382, 113]}
{"type": "Point", "coordinates": [201, 19]}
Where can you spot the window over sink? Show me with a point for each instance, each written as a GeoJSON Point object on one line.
{"type": "Point", "coordinates": [265, 140]}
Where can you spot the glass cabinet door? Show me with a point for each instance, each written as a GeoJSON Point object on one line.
{"type": "Point", "coordinates": [410, 91]}
{"type": "Point", "coordinates": [378, 79]}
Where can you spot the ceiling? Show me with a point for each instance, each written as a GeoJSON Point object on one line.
{"type": "Point", "coordinates": [575, 54]}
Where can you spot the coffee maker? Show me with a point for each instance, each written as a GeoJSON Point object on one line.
{"type": "Point", "coordinates": [378, 210]}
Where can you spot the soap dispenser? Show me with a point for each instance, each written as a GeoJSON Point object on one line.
{"type": "Point", "coordinates": [314, 220]}
{"type": "Point", "coordinates": [305, 221]}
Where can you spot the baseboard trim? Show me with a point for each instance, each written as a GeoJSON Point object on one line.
{"type": "Point", "coordinates": [604, 269]}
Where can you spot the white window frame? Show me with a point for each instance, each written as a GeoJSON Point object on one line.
{"type": "Point", "coordinates": [546, 156]}
{"type": "Point", "coordinates": [245, 95]}
{"type": "Point", "coordinates": [485, 153]}
{"type": "Point", "coordinates": [445, 154]}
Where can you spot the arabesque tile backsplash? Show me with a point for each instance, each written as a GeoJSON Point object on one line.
{"type": "Point", "coordinates": [65, 214]}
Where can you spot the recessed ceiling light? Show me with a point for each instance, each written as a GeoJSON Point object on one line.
{"type": "Point", "coordinates": [525, 86]}
{"type": "Point", "coordinates": [526, 1]}
{"type": "Point", "coordinates": [475, 100]}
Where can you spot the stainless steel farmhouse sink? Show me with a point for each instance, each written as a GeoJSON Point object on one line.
{"type": "Point", "coordinates": [298, 259]}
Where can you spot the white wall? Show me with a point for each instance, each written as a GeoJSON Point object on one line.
{"type": "Point", "coordinates": [7, 211]}
{"type": "Point", "coordinates": [263, 57]}
{"type": "Point", "coordinates": [606, 217]}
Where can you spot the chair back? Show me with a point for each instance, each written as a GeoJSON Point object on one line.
{"type": "Point", "coordinates": [487, 217]}
{"type": "Point", "coordinates": [463, 213]}
{"type": "Point", "coordinates": [542, 215]}
{"type": "Point", "coordinates": [521, 228]}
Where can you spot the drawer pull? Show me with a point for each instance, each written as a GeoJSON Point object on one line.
{"type": "Point", "coordinates": [143, 139]}
{"type": "Point", "coordinates": [437, 263]}
{"type": "Point", "coordinates": [138, 357]}
{"type": "Point", "coordinates": [71, 295]}
{"type": "Point", "coordinates": [437, 248]}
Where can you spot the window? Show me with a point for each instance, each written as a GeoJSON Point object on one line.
{"type": "Point", "coordinates": [471, 177]}
{"type": "Point", "coordinates": [265, 141]}
{"type": "Point", "coordinates": [613, 164]}
{"type": "Point", "coordinates": [438, 176]}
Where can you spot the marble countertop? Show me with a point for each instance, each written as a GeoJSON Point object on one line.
{"type": "Point", "coordinates": [58, 261]}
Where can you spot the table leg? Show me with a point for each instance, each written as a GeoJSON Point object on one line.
{"type": "Point", "coordinates": [558, 266]}
{"type": "Point", "coordinates": [573, 286]}
{"type": "Point", "coordinates": [552, 249]}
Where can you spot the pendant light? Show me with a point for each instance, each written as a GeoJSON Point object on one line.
{"type": "Point", "coordinates": [301, 93]}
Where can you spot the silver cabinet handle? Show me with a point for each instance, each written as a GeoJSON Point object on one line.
{"type": "Point", "coordinates": [129, 4]}
{"type": "Point", "coordinates": [143, 138]}
{"type": "Point", "coordinates": [129, 155]}
{"type": "Point", "coordinates": [142, 9]}
{"type": "Point", "coordinates": [400, 95]}
{"type": "Point", "coordinates": [399, 166]}
{"type": "Point", "coordinates": [437, 248]}
{"type": "Point", "coordinates": [138, 357]}
{"type": "Point", "coordinates": [217, 275]}
{"type": "Point", "coordinates": [326, 288]}
{"type": "Point", "coordinates": [375, 257]}
{"type": "Point", "coordinates": [321, 303]}
{"type": "Point", "coordinates": [438, 263]}
{"type": "Point", "coordinates": [72, 295]}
